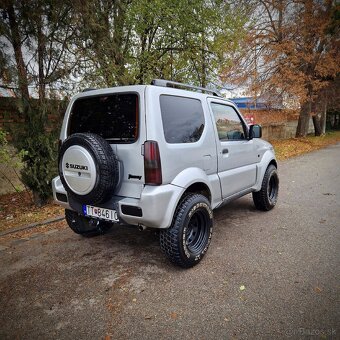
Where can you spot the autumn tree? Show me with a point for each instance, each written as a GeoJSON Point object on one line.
{"type": "Point", "coordinates": [290, 52]}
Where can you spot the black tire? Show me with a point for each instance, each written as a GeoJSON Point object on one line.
{"type": "Point", "coordinates": [106, 167]}
{"type": "Point", "coordinates": [266, 198]}
{"type": "Point", "coordinates": [189, 236]}
{"type": "Point", "coordinates": [86, 226]}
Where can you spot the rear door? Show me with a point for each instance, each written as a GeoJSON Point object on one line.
{"type": "Point", "coordinates": [237, 156]}
{"type": "Point", "coordinates": [118, 116]}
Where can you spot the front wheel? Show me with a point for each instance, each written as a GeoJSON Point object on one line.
{"type": "Point", "coordinates": [189, 236]}
{"type": "Point", "coordinates": [86, 226]}
{"type": "Point", "coordinates": [266, 198]}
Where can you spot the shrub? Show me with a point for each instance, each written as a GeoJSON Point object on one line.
{"type": "Point", "coordinates": [39, 145]}
{"type": "Point", "coordinates": [10, 159]}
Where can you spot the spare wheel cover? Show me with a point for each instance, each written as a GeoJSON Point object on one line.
{"type": "Point", "coordinates": [88, 168]}
{"type": "Point", "coordinates": [79, 170]}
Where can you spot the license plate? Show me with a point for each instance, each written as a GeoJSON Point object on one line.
{"type": "Point", "coordinates": [102, 213]}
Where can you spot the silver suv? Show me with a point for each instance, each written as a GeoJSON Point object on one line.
{"type": "Point", "coordinates": [159, 156]}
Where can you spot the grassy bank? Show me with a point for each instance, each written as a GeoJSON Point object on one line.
{"type": "Point", "coordinates": [288, 148]}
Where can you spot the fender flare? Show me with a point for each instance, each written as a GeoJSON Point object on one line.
{"type": "Point", "coordinates": [267, 159]}
{"type": "Point", "coordinates": [191, 176]}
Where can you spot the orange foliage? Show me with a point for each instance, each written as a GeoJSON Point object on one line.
{"type": "Point", "coordinates": [291, 51]}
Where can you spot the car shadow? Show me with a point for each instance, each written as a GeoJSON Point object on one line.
{"type": "Point", "coordinates": [129, 244]}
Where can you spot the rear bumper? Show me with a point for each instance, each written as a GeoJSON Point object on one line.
{"type": "Point", "coordinates": [59, 193]}
{"type": "Point", "coordinates": [155, 208]}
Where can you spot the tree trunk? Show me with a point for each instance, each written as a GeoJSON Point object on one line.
{"type": "Point", "coordinates": [324, 119]}
{"type": "Point", "coordinates": [41, 51]}
{"type": "Point", "coordinates": [303, 124]}
{"type": "Point", "coordinates": [118, 38]}
{"type": "Point", "coordinates": [141, 73]}
{"type": "Point", "coordinates": [17, 45]}
{"type": "Point", "coordinates": [317, 125]}
{"type": "Point", "coordinates": [38, 200]}
{"type": "Point", "coordinates": [336, 121]}
{"type": "Point", "coordinates": [203, 63]}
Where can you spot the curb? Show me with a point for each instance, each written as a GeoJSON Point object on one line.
{"type": "Point", "coordinates": [32, 225]}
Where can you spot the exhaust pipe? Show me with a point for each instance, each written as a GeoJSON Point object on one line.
{"type": "Point", "coordinates": [141, 227]}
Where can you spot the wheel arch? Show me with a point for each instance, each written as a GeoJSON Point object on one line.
{"type": "Point", "coordinates": [199, 188]}
{"type": "Point", "coordinates": [273, 162]}
{"type": "Point", "coordinates": [267, 160]}
{"type": "Point", "coordinates": [194, 180]}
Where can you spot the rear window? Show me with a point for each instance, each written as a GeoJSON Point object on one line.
{"type": "Point", "coordinates": [183, 119]}
{"type": "Point", "coordinates": [114, 117]}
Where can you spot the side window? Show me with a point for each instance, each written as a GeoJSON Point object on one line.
{"type": "Point", "coordinates": [183, 119]}
{"type": "Point", "coordinates": [228, 123]}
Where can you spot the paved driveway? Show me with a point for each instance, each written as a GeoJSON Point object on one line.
{"type": "Point", "coordinates": [59, 285]}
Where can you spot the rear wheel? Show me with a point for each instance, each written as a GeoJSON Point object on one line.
{"type": "Point", "coordinates": [266, 198]}
{"type": "Point", "coordinates": [188, 238]}
{"type": "Point", "coordinates": [86, 226]}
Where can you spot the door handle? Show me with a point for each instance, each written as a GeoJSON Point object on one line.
{"type": "Point", "coordinates": [224, 151]}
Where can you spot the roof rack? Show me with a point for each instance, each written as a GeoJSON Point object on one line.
{"type": "Point", "coordinates": [169, 83]}
{"type": "Point", "coordinates": [89, 89]}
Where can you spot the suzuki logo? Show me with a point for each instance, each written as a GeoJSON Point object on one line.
{"type": "Point", "coordinates": [76, 166]}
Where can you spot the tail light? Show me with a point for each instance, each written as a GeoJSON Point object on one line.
{"type": "Point", "coordinates": [152, 163]}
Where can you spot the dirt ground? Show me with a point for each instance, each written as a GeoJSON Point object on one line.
{"type": "Point", "coordinates": [18, 209]}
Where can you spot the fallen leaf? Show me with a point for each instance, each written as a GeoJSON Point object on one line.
{"type": "Point", "coordinates": [134, 300]}
{"type": "Point", "coordinates": [173, 315]}
{"type": "Point", "coordinates": [242, 288]}
{"type": "Point", "coordinates": [317, 290]}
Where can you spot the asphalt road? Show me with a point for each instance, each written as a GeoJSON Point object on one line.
{"type": "Point", "coordinates": [120, 286]}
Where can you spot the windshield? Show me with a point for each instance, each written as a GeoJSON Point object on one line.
{"type": "Point", "coordinates": [113, 117]}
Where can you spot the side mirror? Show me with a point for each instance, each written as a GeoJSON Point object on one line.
{"type": "Point", "coordinates": [255, 131]}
